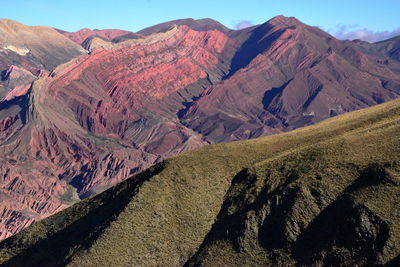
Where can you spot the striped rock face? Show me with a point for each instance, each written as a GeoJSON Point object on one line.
{"type": "Point", "coordinates": [92, 122]}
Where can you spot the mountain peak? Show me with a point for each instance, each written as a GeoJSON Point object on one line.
{"type": "Point", "coordinates": [85, 30]}
{"type": "Point", "coordinates": [285, 21]}
{"type": "Point", "coordinates": [108, 34]}
{"type": "Point", "coordinates": [11, 26]}
{"type": "Point", "coordinates": [205, 24]}
{"type": "Point", "coordinates": [10, 22]}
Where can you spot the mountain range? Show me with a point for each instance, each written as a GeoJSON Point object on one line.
{"type": "Point", "coordinates": [323, 195]}
{"type": "Point", "coordinates": [83, 111]}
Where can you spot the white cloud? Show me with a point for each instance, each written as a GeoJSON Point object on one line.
{"type": "Point", "coordinates": [350, 32]}
{"type": "Point", "coordinates": [243, 24]}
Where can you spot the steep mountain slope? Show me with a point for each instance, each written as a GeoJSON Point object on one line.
{"type": "Point", "coordinates": [26, 54]}
{"type": "Point", "coordinates": [91, 125]}
{"type": "Point", "coordinates": [327, 195]}
{"type": "Point", "coordinates": [291, 75]}
{"type": "Point", "coordinates": [124, 106]}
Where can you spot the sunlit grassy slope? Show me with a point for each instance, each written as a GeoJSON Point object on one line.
{"type": "Point", "coordinates": [324, 194]}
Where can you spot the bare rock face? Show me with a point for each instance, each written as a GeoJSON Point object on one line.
{"type": "Point", "coordinates": [105, 115]}
{"type": "Point", "coordinates": [94, 42]}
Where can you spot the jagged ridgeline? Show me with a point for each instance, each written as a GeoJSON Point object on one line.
{"type": "Point", "coordinates": [324, 195]}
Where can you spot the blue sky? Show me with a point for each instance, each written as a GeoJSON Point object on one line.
{"type": "Point", "coordinates": [339, 17]}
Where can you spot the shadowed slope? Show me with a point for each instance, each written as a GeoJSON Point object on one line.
{"type": "Point", "coordinates": [272, 195]}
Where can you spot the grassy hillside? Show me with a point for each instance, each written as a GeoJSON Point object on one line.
{"type": "Point", "coordinates": [322, 195]}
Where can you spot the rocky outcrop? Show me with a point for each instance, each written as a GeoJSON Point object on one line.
{"type": "Point", "coordinates": [94, 42]}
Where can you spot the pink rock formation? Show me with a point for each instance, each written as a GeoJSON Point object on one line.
{"type": "Point", "coordinates": [106, 115]}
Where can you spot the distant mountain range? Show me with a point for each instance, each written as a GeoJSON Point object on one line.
{"type": "Point", "coordinates": [81, 112]}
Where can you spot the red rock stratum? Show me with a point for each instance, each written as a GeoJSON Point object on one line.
{"type": "Point", "coordinates": [104, 115]}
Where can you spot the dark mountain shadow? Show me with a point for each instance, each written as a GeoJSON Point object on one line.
{"type": "Point", "coordinates": [22, 102]}
{"type": "Point", "coordinates": [258, 42]}
{"type": "Point", "coordinates": [270, 95]}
